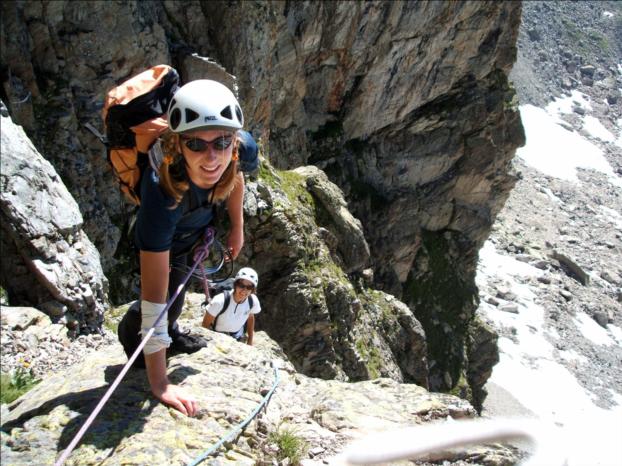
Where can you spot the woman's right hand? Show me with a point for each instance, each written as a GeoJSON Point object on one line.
{"type": "Point", "coordinates": [176, 397]}
{"type": "Point", "coordinates": [163, 390]}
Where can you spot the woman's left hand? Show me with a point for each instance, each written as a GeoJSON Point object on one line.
{"type": "Point", "coordinates": [235, 241]}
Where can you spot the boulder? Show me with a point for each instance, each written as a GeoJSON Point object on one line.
{"type": "Point", "coordinates": [47, 256]}
{"type": "Point", "coordinates": [347, 229]}
{"type": "Point", "coordinates": [571, 267]}
{"type": "Point", "coordinates": [483, 354]}
{"type": "Point", "coordinates": [20, 318]}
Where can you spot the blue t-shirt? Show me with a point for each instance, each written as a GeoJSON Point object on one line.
{"type": "Point", "coordinates": [160, 228]}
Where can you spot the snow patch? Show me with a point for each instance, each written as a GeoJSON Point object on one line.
{"type": "Point", "coordinates": [572, 356]}
{"type": "Point", "coordinates": [607, 14]}
{"type": "Point", "coordinates": [557, 152]}
{"type": "Point", "coordinates": [612, 217]}
{"type": "Point", "coordinates": [595, 128]}
{"type": "Point", "coordinates": [616, 333]}
{"type": "Point", "coordinates": [492, 263]}
{"type": "Point", "coordinates": [527, 369]}
{"type": "Point", "coordinates": [566, 104]}
{"type": "Point", "coordinates": [552, 196]}
{"type": "Point", "coordinates": [591, 330]}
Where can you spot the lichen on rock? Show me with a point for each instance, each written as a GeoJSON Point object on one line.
{"type": "Point", "coordinates": [227, 379]}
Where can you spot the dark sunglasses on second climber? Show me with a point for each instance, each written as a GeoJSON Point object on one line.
{"type": "Point", "coordinates": [245, 287]}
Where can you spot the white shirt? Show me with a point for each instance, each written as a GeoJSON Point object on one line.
{"type": "Point", "coordinates": [235, 316]}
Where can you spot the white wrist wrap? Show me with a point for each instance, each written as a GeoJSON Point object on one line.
{"type": "Point", "coordinates": [159, 339]}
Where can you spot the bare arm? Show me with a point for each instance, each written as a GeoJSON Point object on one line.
{"type": "Point", "coordinates": [154, 275]}
{"type": "Point", "coordinates": [154, 267]}
{"type": "Point", "coordinates": [235, 201]}
{"type": "Point", "coordinates": [250, 329]}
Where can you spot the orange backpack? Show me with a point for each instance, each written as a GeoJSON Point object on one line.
{"type": "Point", "coordinates": [134, 117]}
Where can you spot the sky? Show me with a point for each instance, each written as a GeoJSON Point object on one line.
{"type": "Point", "coordinates": [528, 367]}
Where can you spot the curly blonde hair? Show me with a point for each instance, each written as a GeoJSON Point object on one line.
{"type": "Point", "coordinates": [172, 171]}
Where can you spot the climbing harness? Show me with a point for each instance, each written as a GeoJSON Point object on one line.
{"type": "Point", "coordinates": [217, 258]}
{"type": "Point", "coordinates": [218, 264]}
{"type": "Point", "coordinates": [237, 429]}
{"type": "Point", "coordinates": [200, 253]}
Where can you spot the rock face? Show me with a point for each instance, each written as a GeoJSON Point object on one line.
{"type": "Point", "coordinates": [226, 378]}
{"type": "Point", "coordinates": [47, 257]}
{"type": "Point", "coordinates": [407, 108]}
{"type": "Point", "coordinates": [405, 105]}
{"type": "Point", "coordinates": [302, 241]}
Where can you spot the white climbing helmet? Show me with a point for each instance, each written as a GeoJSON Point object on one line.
{"type": "Point", "coordinates": [204, 104]}
{"type": "Point", "coordinates": [246, 273]}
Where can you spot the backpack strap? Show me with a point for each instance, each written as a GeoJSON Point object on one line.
{"type": "Point", "coordinates": [224, 307]}
{"type": "Point", "coordinates": [250, 301]}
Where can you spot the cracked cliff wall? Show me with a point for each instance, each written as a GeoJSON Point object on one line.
{"type": "Point", "coordinates": [405, 105]}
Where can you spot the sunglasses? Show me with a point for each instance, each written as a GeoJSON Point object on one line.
{"type": "Point", "coordinates": [245, 287]}
{"type": "Point", "coordinates": [200, 145]}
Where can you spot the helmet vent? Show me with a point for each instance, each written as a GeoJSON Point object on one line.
{"type": "Point", "coordinates": [191, 115]}
{"type": "Point", "coordinates": [226, 112]}
{"type": "Point", "coordinates": [175, 118]}
{"type": "Point", "coordinates": [238, 113]}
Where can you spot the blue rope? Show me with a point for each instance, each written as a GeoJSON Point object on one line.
{"type": "Point", "coordinates": [233, 432]}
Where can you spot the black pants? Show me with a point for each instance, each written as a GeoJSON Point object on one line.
{"type": "Point", "coordinates": [129, 327]}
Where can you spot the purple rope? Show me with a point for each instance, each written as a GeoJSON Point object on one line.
{"type": "Point", "coordinates": [199, 255]}
{"type": "Point", "coordinates": [203, 250]}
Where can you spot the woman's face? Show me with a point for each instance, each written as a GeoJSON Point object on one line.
{"type": "Point", "coordinates": [208, 154]}
{"type": "Point", "coordinates": [242, 289]}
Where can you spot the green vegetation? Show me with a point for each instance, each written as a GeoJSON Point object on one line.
{"type": "Point", "coordinates": [295, 187]}
{"type": "Point", "coordinates": [4, 297]}
{"type": "Point", "coordinates": [599, 40]}
{"type": "Point", "coordinates": [375, 299]}
{"type": "Point", "coordinates": [16, 384]}
{"type": "Point", "coordinates": [586, 40]}
{"type": "Point", "coordinates": [372, 358]}
{"type": "Point", "coordinates": [113, 316]}
{"type": "Point", "coordinates": [269, 175]}
{"type": "Point", "coordinates": [291, 446]}
{"type": "Point", "coordinates": [291, 183]}
{"type": "Point", "coordinates": [510, 101]}
{"type": "Point", "coordinates": [462, 388]}
{"type": "Point", "coordinates": [440, 299]}
{"type": "Point", "coordinates": [327, 270]}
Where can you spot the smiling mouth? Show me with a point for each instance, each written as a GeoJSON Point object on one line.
{"type": "Point", "coordinates": [210, 171]}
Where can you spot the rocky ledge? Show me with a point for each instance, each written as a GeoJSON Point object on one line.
{"type": "Point", "coordinates": [228, 379]}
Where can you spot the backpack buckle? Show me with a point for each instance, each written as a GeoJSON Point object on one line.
{"type": "Point", "coordinates": [103, 139]}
